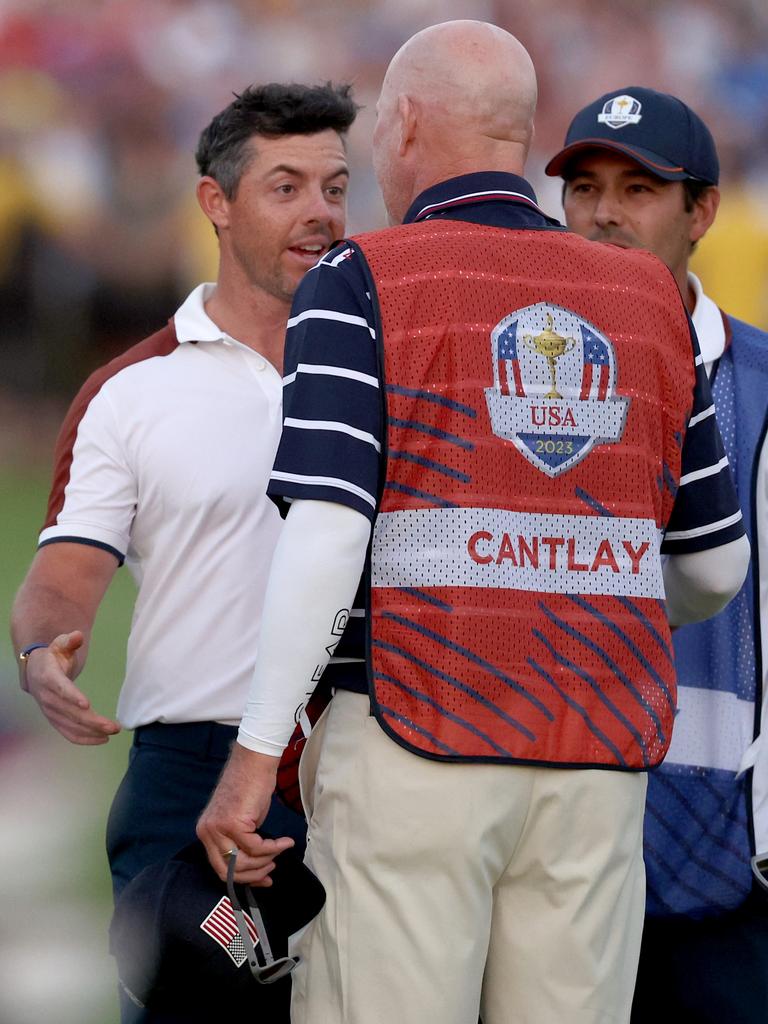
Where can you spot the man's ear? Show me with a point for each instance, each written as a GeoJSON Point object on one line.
{"type": "Point", "coordinates": [213, 202]}
{"type": "Point", "coordinates": [407, 113]}
{"type": "Point", "coordinates": [704, 213]}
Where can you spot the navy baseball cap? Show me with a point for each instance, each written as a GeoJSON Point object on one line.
{"type": "Point", "coordinates": [657, 130]}
{"type": "Point", "coordinates": [175, 936]}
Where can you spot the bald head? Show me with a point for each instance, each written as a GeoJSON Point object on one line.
{"type": "Point", "coordinates": [471, 75]}
{"type": "Point", "coordinates": [456, 98]}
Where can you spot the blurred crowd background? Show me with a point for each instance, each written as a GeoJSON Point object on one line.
{"type": "Point", "coordinates": [101, 104]}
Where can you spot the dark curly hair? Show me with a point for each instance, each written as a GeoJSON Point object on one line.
{"type": "Point", "coordinates": [270, 110]}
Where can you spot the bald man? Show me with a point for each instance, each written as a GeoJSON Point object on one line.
{"type": "Point", "coordinates": [488, 415]}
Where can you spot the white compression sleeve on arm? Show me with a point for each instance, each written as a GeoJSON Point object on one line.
{"type": "Point", "coordinates": [701, 584]}
{"type": "Point", "coordinates": [314, 576]}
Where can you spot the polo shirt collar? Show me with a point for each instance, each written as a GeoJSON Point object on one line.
{"type": "Point", "coordinates": [191, 321]}
{"type": "Point", "coordinates": [496, 186]}
{"type": "Point", "coordinates": [708, 321]}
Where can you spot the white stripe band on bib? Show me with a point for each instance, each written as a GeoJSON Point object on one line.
{"type": "Point", "coordinates": [496, 548]}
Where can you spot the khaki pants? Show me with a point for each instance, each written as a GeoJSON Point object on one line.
{"type": "Point", "coordinates": [453, 888]}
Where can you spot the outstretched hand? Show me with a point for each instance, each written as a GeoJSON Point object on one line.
{"type": "Point", "coordinates": [49, 672]}
{"type": "Point", "coordinates": [238, 806]}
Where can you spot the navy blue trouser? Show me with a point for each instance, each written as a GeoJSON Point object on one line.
{"type": "Point", "coordinates": [710, 971]}
{"type": "Point", "coordinates": [172, 771]}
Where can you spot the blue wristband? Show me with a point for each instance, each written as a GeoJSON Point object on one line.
{"type": "Point", "coordinates": [24, 653]}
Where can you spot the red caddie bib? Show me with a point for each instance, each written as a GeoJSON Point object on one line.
{"type": "Point", "coordinates": [537, 392]}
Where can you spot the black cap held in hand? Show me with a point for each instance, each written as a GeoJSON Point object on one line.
{"type": "Point", "coordinates": [176, 942]}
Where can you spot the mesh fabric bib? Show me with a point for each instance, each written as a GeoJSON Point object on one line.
{"type": "Point", "coordinates": [537, 391]}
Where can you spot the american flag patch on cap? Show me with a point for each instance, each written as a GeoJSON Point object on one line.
{"type": "Point", "coordinates": [222, 928]}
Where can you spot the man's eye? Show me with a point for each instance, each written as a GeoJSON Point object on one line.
{"type": "Point", "coordinates": [336, 192]}
{"type": "Point", "coordinates": [581, 187]}
{"type": "Point", "coordinates": [286, 189]}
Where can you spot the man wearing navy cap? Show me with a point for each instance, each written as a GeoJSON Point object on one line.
{"type": "Point", "coordinates": [641, 171]}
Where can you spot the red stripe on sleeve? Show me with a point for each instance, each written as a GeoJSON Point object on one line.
{"type": "Point", "coordinates": [162, 343]}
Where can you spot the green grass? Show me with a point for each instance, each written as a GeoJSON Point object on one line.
{"type": "Point", "coordinates": [94, 771]}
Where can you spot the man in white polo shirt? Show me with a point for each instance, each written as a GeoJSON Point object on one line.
{"type": "Point", "coordinates": [163, 462]}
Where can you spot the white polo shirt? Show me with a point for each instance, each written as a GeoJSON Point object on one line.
{"type": "Point", "coordinates": [164, 460]}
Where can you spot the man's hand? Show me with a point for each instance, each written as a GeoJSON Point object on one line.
{"type": "Point", "coordinates": [62, 590]}
{"type": "Point", "coordinates": [49, 671]}
{"type": "Point", "coordinates": [238, 806]}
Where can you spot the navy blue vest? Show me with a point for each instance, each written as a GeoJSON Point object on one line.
{"type": "Point", "coordinates": [698, 825]}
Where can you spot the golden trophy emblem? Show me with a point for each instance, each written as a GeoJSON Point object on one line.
{"type": "Point", "coordinates": [552, 346]}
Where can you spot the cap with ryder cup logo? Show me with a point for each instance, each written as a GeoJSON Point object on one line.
{"type": "Point", "coordinates": [657, 130]}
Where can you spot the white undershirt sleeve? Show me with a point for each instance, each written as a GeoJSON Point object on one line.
{"type": "Point", "coordinates": [701, 584]}
{"type": "Point", "coordinates": [314, 576]}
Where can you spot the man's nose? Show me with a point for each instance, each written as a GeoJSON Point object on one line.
{"type": "Point", "coordinates": [319, 208]}
{"type": "Point", "coordinates": [608, 210]}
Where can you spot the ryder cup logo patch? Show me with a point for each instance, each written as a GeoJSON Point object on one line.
{"type": "Point", "coordinates": [620, 111]}
{"type": "Point", "coordinates": [554, 381]}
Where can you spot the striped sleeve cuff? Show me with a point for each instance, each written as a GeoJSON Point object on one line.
{"type": "Point", "coordinates": [284, 485]}
{"type": "Point", "coordinates": [702, 538]}
{"type": "Point", "coordinates": [85, 533]}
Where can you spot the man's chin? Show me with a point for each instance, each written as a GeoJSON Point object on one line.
{"type": "Point", "coordinates": [287, 283]}
{"type": "Point", "coordinates": [283, 285]}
